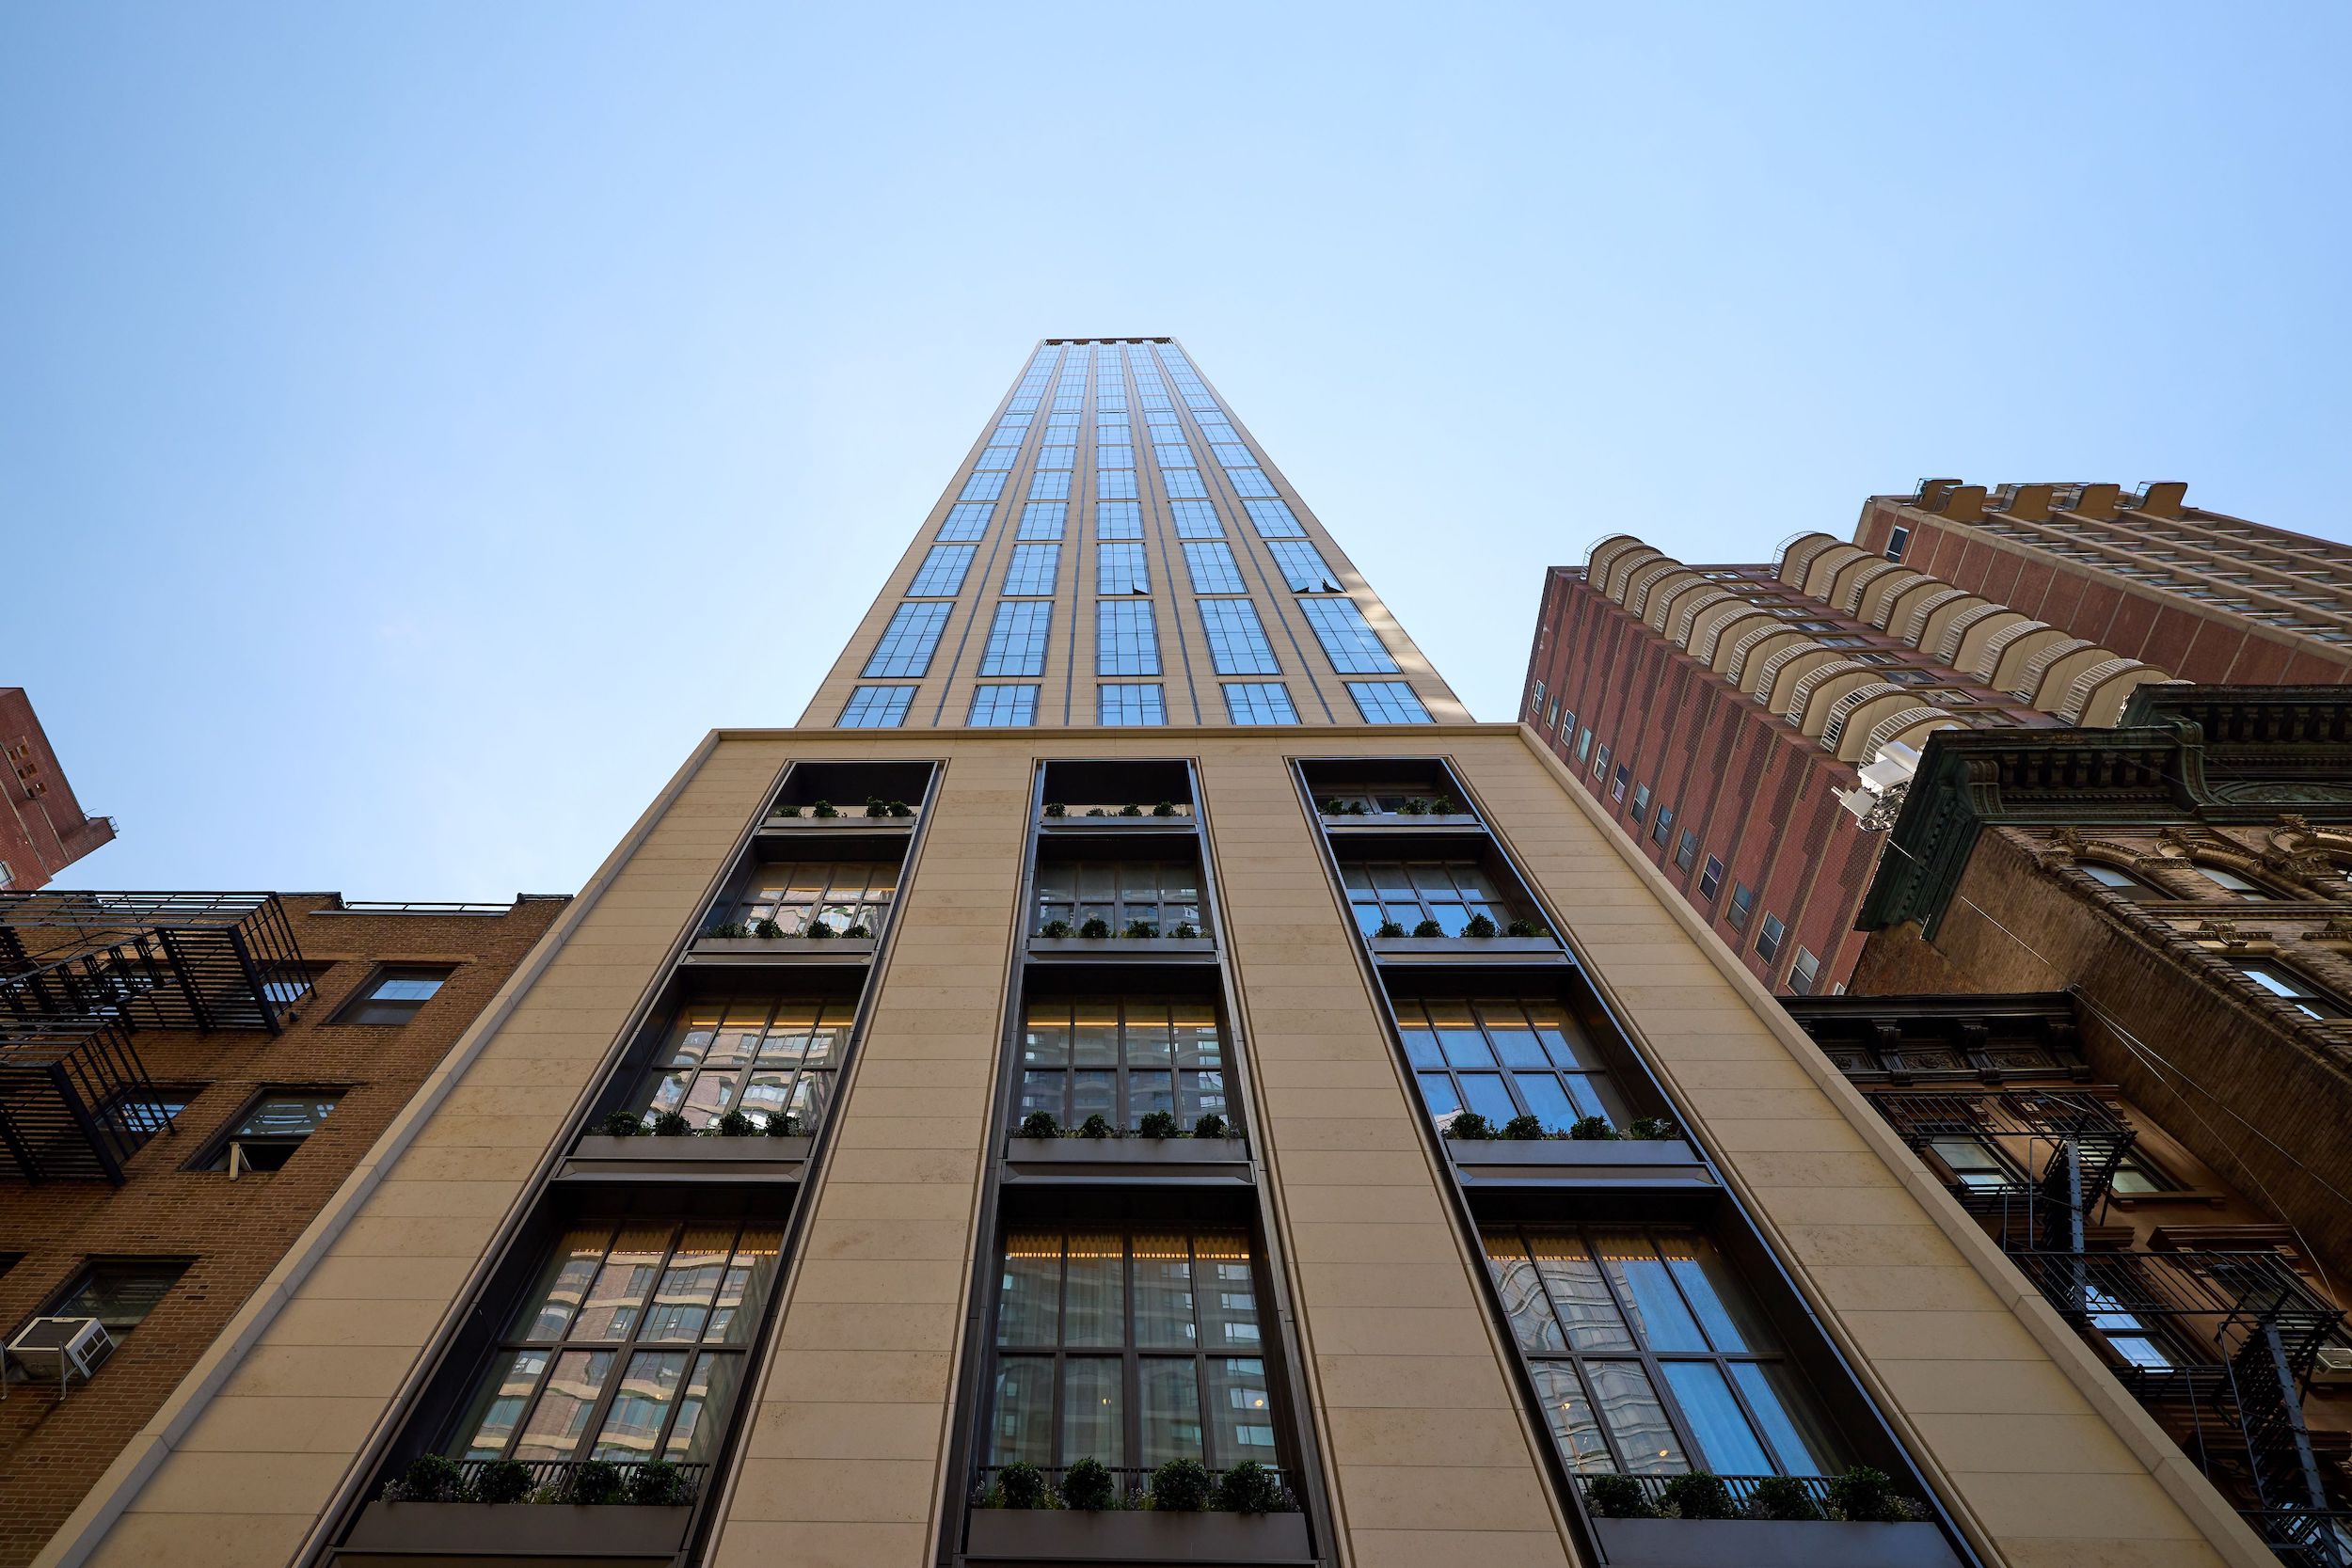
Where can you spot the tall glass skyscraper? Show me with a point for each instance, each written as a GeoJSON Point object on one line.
{"type": "Point", "coordinates": [1137, 1075]}
{"type": "Point", "coordinates": [1119, 549]}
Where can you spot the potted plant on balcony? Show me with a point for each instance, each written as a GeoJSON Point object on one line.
{"type": "Point", "coordinates": [1038, 1124]}
{"type": "Point", "coordinates": [1088, 1487]}
{"type": "Point", "coordinates": [1479, 927]}
{"type": "Point", "coordinates": [1141, 930]}
{"type": "Point", "coordinates": [1055, 930]}
{"type": "Point", "coordinates": [1095, 928]}
{"type": "Point", "coordinates": [1166, 808]}
{"type": "Point", "coordinates": [1470, 1125]}
{"type": "Point", "coordinates": [1157, 1125]}
{"type": "Point", "coordinates": [823, 808]}
{"type": "Point", "coordinates": [1055, 808]}
{"type": "Point", "coordinates": [1428, 928]}
{"type": "Point", "coordinates": [621, 1124]}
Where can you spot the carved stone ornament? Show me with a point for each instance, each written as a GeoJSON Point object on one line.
{"type": "Point", "coordinates": [2256, 792]}
{"type": "Point", "coordinates": [2338, 929]}
{"type": "Point", "coordinates": [2223, 931]}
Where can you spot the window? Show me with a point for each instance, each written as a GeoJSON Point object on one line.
{"type": "Point", "coordinates": [1600, 763]}
{"type": "Point", "coordinates": [1659, 830]}
{"type": "Point", "coordinates": [1303, 567]}
{"type": "Point", "coordinates": [1016, 639]}
{"type": "Point", "coordinates": [1173, 454]}
{"type": "Point", "coordinates": [1975, 1166]}
{"type": "Point", "coordinates": [1126, 640]}
{"type": "Point", "coordinates": [835, 895]}
{"type": "Point", "coordinates": [1130, 702]}
{"type": "Point", "coordinates": [271, 1128]}
{"type": "Point", "coordinates": [118, 1291]}
{"type": "Point", "coordinates": [2229, 881]}
{"type": "Point", "coordinates": [1348, 640]}
{"type": "Point", "coordinates": [1118, 520]}
{"type": "Point", "coordinates": [1768, 935]}
{"type": "Point", "coordinates": [2133, 1339]}
{"type": "Point", "coordinates": [1214, 569]}
{"type": "Point", "coordinates": [1161, 894]}
{"type": "Point", "coordinates": [875, 707]}
{"type": "Point", "coordinates": [1641, 802]}
{"type": "Point", "coordinates": [995, 456]}
{"type": "Point", "coordinates": [1237, 639]}
{"type": "Point", "coordinates": [1616, 785]}
{"type": "Point", "coordinates": [1803, 973]}
{"type": "Point", "coordinates": [1505, 1058]}
{"type": "Point", "coordinates": [393, 994]}
{"type": "Point", "coordinates": [941, 576]}
{"type": "Point", "coordinates": [966, 522]}
{"type": "Point", "coordinates": [1259, 703]}
{"type": "Point", "coordinates": [1115, 457]}
{"type": "Point", "coordinates": [2286, 984]}
{"type": "Point", "coordinates": [756, 1054]}
{"type": "Point", "coordinates": [1121, 1058]}
{"type": "Point", "coordinates": [1121, 569]}
{"type": "Point", "coordinates": [1452, 893]}
{"type": "Point", "coordinates": [1650, 1355]}
{"type": "Point", "coordinates": [1583, 743]}
{"type": "Point", "coordinates": [1031, 570]}
{"type": "Point", "coordinates": [2135, 1172]}
{"type": "Point", "coordinates": [1388, 703]}
{"type": "Point", "coordinates": [1044, 520]}
{"type": "Point", "coordinates": [1196, 521]}
{"type": "Point", "coordinates": [1539, 697]}
{"type": "Point", "coordinates": [1274, 519]}
{"type": "Point", "coordinates": [629, 1348]}
{"type": "Point", "coordinates": [1896, 540]}
{"type": "Point", "coordinates": [1686, 850]}
{"type": "Point", "coordinates": [907, 642]}
{"type": "Point", "coordinates": [1183, 483]}
{"type": "Point", "coordinates": [1566, 723]}
{"type": "Point", "coordinates": [1712, 878]}
{"type": "Point", "coordinates": [982, 487]}
{"type": "Point", "coordinates": [999, 705]}
{"type": "Point", "coordinates": [1130, 1349]}
{"type": "Point", "coordinates": [1742, 900]}
{"type": "Point", "coordinates": [144, 1112]}
{"type": "Point", "coordinates": [2137, 889]}
{"type": "Point", "coordinates": [1250, 482]}
{"type": "Point", "coordinates": [1233, 454]}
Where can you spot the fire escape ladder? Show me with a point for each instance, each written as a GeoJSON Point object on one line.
{"type": "Point", "coordinates": [2280, 1462]}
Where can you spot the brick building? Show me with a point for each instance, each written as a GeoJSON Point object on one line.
{"type": "Point", "coordinates": [146, 1044]}
{"type": "Point", "coordinates": [44, 829]}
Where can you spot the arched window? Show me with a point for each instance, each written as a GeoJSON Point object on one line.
{"type": "Point", "coordinates": [2231, 882]}
{"type": "Point", "coordinates": [2291, 987]}
{"type": "Point", "coordinates": [2138, 890]}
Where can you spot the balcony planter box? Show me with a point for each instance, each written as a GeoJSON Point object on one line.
{"type": "Point", "coordinates": [1117, 824]}
{"type": "Point", "coordinates": [1618, 1163]}
{"type": "Point", "coordinates": [1124, 947]}
{"type": "Point", "coordinates": [1771, 1543]}
{"type": "Point", "coordinates": [1387, 820]}
{"type": "Point", "coordinates": [1219, 1159]}
{"type": "Point", "coordinates": [836, 824]}
{"type": "Point", "coordinates": [758, 1157]}
{"type": "Point", "coordinates": [1041, 1535]}
{"type": "Point", "coordinates": [617, 1535]}
{"type": "Point", "coordinates": [1463, 948]}
{"type": "Point", "coordinates": [782, 949]}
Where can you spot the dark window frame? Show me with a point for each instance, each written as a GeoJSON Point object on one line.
{"type": "Point", "coordinates": [363, 999]}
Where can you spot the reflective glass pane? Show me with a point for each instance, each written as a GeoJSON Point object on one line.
{"type": "Point", "coordinates": [562, 1284]}
{"type": "Point", "coordinates": [561, 1417]}
{"type": "Point", "coordinates": [1163, 1292]}
{"type": "Point", "coordinates": [1641, 1282]}
{"type": "Point", "coordinates": [632, 1424]}
{"type": "Point", "coordinates": [1579, 1295]}
{"type": "Point", "coordinates": [1094, 1094]}
{"type": "Point", "coordinates": [1043, 1091]}
{"type": "Point", "coordinates": [1731, 1318]}
{"type": "Point", "coordinates": [1487, 1097]}
{"type": "Point", "coordinates": [702, 1412]}
{"type": "Point", "coordinates": [1199, 1041]}
{"type": "Point", "coordinates": [1094, 1042]}
{"type": "Point", "coordinates": [1201, 1094]}
{"type": "Point", "coordinates": [1630, 1410]}
{"type": "Point", "coordinates": [1794, 1428]}
{"type": "Point", "coordinates": [1225, 1294]}
{"type": "Point", "coordinates": [1149, 1092]}
{"type": "Point", "coordinates": [1241, 1411]}
{"type": "Point", "coordinates": [1171, 1409]}
{"type": "Point", "coordinates": [1549, 1101]}
{"type": "Point", "coordinates": [681, 1303]}
{"type": "Point", "coordinates": [1437, 1092]}
{"type": "Point", "coordinates": [1726, 1444]}
{"type": "Point", "coordinates": [1021, 1430]}
{"type": "Point", "coordinates": [1521, 1288]}
{"type": "Point", "coordinates": [744, 1290]}
{"type": "Point", "coordinates": [1046, 1040]}
{"type": "Point", "coordinates": [499, 1406]}
{"type": "Point", "coordinates": [1028, 1308]}
{"type": "Point", "coordinates": [622, 1284]}
{"type": "Point", "coordinates": [1574, 1427]}
{"type": "Point", "coordinates": [1150, 1042]}
{"type": "Point", "coordinates": [1091, 1424]}
{"type": "Point", "coordinates": [1095, 1309]}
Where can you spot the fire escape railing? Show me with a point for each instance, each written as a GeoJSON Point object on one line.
{"type": "Point", "coordinates": [82, 972]}
{"type": "Point", "coordinates": [2052, 1155]}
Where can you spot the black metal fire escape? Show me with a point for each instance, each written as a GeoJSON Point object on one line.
{"type": "Point", "coordinates": [81, 974]}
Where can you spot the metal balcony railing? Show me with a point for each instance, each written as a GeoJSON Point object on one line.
{"type": "Point", "coordinates": [1742, 1490]}
{"type": "Point", "coordinates": [162, 960]}
{"type": "Point", "coordinates": [74, 1098]}
{"type": "Point", "coordinates": [567, 1481]}
{"type": "Point", "coordinates": [2050, 1156]}
{"type": "Point", "coordinates": [1130, 1484]}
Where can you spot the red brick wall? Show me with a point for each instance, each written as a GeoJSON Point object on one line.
{"type": "Point", "coordinates": [43, 827]}
{"type": "Point", "coordinates": [52, 1451]}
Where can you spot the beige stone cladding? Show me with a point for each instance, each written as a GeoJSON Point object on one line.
{"type": "Point", "coordinates": [1428, 1455]}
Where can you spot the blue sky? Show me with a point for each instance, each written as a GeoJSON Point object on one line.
{"type": "Point", "coordinates": [419, 423]}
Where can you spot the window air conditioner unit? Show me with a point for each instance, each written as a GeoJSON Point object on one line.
{"type": "Point", "coordinates": [2335, 1359]}
{"type": "Point", "coordinates": [62, 1348]}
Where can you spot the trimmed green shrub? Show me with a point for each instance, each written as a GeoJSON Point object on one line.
{"type": "Point", "coordinates": [1166, 808]}
{"type": "Point", "coordinates": [1525, 928]}
{"type": "Point", "coordinates": [1413, 805]}
{"type": "Point", "coordinates": [1040, 1124]}
{"type": "Point", "coordinates": [819, 931]}
{"type": "Point", "coordinates": [621, 1124]}
{"type": "Point", "coordinates": [1654, 1127]}
{"type": "Point", "coordinates": [1781, 1498]}
{"type": "Point", "coordinates": [1131, 811]}
{"type": "Point", "coordinates": [1088, 1487]}
{"type": "Point", "coordinates": [432, 1477]}
{"type": "Point", "coordinates": [1591, 1130]}
{"type": "Point", "coordinates": [1020, 1486]}
{"type": "Point", "coordinates": [1249, 1487]}
{"type": "Point", "coordinates": [1055, 928]}
{"type": "Point", "coordinates": [823, 808]}
{"type": "Point", "coordinates": [1180, 1486]}
{"type": "Point", "coordinates": [670, 1124]}
{"type": "Point", "coordinates": [860, 929]}
{"type": "Point", "coordinates": [1868, 1496]}
{"type": "Point", "coordinates": [1698, 1496]}
{"type": "Point", "coordinates": [597, 1480]}
{"type": "Point", "coordinates": [505, 1481]}
{"type": "Point", "coordinates": [735, 1124]}
{"type": "Point", "coordinates": [876, 806]}
{"type": "Point", "coordinates": [1094, 928]}
{"type": "Point", "coordinates": [1211, 1126]}
{"type": "Point", "coordinates": [1094, 1126]}
{"type": "Point", "coordinates": [1188, 931]}
{"type": "Point", "coordinates": [1443, 806]}
{"type": "Point", "coordinates": [1159, 1124]}
{"type": "Point", "coordinates": [1055, 808]}
{"type": "Point", "coordinates": [1470, 1125]}
{"type": "Point", "coordinates": [729, 930]}
{"type": "Point", "coordinates": [782, 1124]}
{"type": "Point", "coordinates": [1332, 808]}
{"type": "Point", "coordinates": [900, 808]}
{"type": "Point", "coordinates": [1614, 1497]}
{"type": "Point", "coordinates": [1521, 1128]}
{"type": "Point", "coordinates": [766, 929]}
{"type": "Point", "coordinates": [659, 1484]}
{"type": "Point", "coordinates": [1428, 928]}
{"type": "Point", "coordinates": [1140, 930]}
{"type": "Point", "coordinates": [1390, 928]}
{"type": "Point", "coordinates": [1355, 808]}
{"type": "Point", "coordinates": [1479, 927]}
{"type": "Point", "coordinates": [787, 811]}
